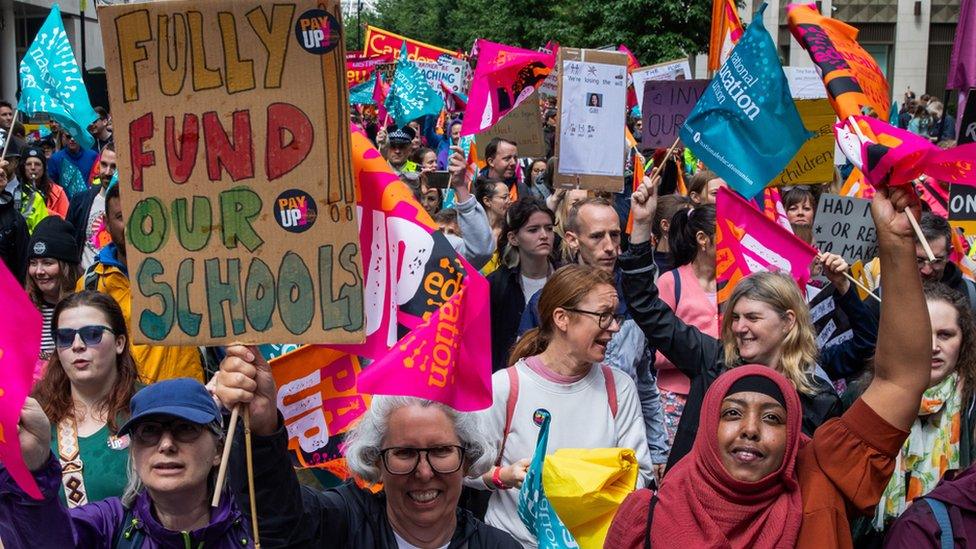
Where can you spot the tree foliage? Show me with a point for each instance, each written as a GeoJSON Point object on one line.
{"type": "Point", "coordinates": [655, 30]}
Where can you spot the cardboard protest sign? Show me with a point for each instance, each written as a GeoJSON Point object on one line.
{"type": "Point", "coordinates": [679, 69]}
{"type": "Point", "coordinates": [454, 73]}
{"type": "Point", "coordinates": [319, 400]}
{"type": "Point", "coordinates": [591, 113]}
{"type": "Point", "coordinates": [383, 42]}
{"type": "Point", "coordinates": [844, 226]}
{"type": "Point", "coordinates": [232, 130]}
{"type": "Point", "coordinates": [813, 164]}
{"type": "Point", "coordinates": [522, 125]}
{"type": "Point", "coordinates": [962, 209]}
{"type": "Point", "coordinates": [666, 105]}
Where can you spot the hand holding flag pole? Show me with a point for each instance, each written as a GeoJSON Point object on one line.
{"type": "Point", "coordinates": [851, 279]}
{"type": "Point", "coordinates": [852, 122]}
{"type": "Point", "coordinates": [8, 136]}
{"type": "Point", "coordinates": [225, 459]}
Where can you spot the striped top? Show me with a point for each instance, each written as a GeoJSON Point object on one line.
{"type": "Point", "coordinates": [47, 338]}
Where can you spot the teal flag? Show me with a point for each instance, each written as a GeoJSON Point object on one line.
{"type": "Point", "coordinates": [362, 94]}
{"type": "Point", "coordinates": [51, 82]}
{"type": "Point", "coordinates": [746, 127]}
{"type": "Point", "coordinates": [534, 508]}
{"type": "Point", "coordinates": [410, 95]}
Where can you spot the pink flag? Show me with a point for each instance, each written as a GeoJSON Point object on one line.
{"type": "Point", "coordinates": [380, 91]}
{"type": "Point", "coordinates": [415, 283]}
{"type": "Point", "coordinates": [748, 242]}
{"type": "Point", "coordinates": [20, 343]}
{"type": "Point", "coordinates": [454, 102]}
{"type": "Point", "coordinates": [435, 360]}
{"type": "Point", "coordinates": [896, 156]}
{"type": "Point", "coordinates": [962, 64]}
{"type": "Point", "coordinates": [505, 76]}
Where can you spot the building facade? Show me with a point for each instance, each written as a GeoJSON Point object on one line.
{"type": "Point", "coordinates": [19, 22]}
{"type": "Point", "coordinates": [910, 39]}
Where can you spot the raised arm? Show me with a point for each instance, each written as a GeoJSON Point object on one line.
{"type": "Point", "coordinates": [479, 242]}
{"type": "Point", "coordinates": [691, 351]}
{"type": "Point", "coordinates": [904, 353]}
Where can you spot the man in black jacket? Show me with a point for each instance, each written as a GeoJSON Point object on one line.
{"type": "Point", "coordinates": [937, 233]}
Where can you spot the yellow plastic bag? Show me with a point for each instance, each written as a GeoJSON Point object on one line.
{"type": "Point", "coordinates": [585, 487]}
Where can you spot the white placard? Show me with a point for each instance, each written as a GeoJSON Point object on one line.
{"type": "Point", "coordinates": [452, 71]}
{"type": "Point", "coordinates": [591, 137]}
{"type": "Point", "coordinates": [805, 83]}
{"type": "Point", "coordinates": [679, 69]}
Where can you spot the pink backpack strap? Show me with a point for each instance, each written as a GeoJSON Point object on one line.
{"type": "Point", "coordinates": [513, 390]}
{"type": "Point", "coordinates": [611, 389]}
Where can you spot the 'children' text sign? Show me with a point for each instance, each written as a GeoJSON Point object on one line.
{"type": "Point", "coordinates": [231, 121]}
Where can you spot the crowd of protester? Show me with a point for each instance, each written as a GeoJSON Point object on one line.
{"type": "Point", "coordinates": [604, 309]}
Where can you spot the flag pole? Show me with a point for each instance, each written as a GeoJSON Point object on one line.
{"type": "Point", "coordinates": [10, 134]}
{"type": "Point", "coordinates": [853, 280]}
{"type": "Point", "coordinates": [667, 155]}
{"type": "Point", "coordinates": [228, 442]}
{"type": "Point", "coordinates": [911, 217]}
{"type": "Point", "coordinates": [250, 477]}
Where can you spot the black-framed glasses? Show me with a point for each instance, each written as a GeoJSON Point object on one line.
{"type": "Point", "coordinates": [937, 262]}
{"type": "Point", "coordinates": [90, 335]}
{"type": "Point", "coordinates": [603, 320]}
{"type": "Point", "coordinates": [148, 433]}
{"type": "Point", "coordinates": [404, 461]}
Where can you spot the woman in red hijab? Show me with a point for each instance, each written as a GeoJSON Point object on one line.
{"type": "Point", "coordinates": [752, 479]}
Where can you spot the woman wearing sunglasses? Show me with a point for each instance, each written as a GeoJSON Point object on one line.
{"type": "Point", "coordinates": [174, 453]}
{"type": "Point", "coordinates": [85, 393]}
{"type": "Point", "coordinates": [419, 450]}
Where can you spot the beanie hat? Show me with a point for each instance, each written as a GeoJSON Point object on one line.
{"type": "Point", "coordinates": [34, 152]}
{"type": "Point", "coordinates": [54, 238]}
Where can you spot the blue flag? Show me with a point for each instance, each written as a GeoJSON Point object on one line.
{"type": "Point", "coordinates": [51, 81]}
{"type": "Point", "coordinates": [534, 508]}
{"type": "Point", "coordinates": [410, 95]}
{"type": "Point", "coordinates": [746, 127]}
{"type": "Point", "coordinates": [362, 93]}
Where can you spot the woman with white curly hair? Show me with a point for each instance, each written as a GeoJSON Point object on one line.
{"type": "Point", "coordinates": [418, 449]}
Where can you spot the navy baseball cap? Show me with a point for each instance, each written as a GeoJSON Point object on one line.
{"type": "Point", "coordinates": [182, 397]}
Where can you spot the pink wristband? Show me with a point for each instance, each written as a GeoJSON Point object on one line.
{"type": "Point", "coordinates": [496, 479]}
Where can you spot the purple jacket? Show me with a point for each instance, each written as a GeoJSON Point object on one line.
{"type": "Point", "coordinates": [916, 527]}
{"type": "Point", "coordinates": [28, 523]}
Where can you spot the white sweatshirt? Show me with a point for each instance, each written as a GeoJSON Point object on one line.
{"type": "Point", "coordinates": [581, 418]}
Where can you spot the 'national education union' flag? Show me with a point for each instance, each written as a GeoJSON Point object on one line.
{"type": "Point", "coordinates": [534, 508]}
{"type": "Point", "coordinates": [51, 81]}
{"type": "Point", "coordinates": [410, 95]}
{"type": "Point", "coordinates": [746, 127]}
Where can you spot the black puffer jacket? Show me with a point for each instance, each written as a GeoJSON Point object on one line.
{"type": "Point", "coordinates": [702, 358]}
{"type": "Point", "coordinates": [292, 515]}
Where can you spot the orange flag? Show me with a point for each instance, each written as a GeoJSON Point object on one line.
{"type": "Point", "coordinates": [851, 76]}
{"type": "Point", "coordinates": [726, 31]}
